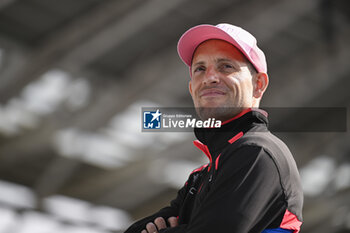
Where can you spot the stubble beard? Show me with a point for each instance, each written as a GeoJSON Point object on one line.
{"type": "Point", "coordinates": [222, 113]}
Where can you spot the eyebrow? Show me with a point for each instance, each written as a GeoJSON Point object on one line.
{"type": "Point", "coordinates": [224, 59]}
{"type": "Point", "coordinates": [217, 60]}
{"type": "Point", "coordinates": [198, 63]}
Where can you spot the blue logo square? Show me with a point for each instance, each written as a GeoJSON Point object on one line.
{"type": "Point", "coordinates": [152, 120]}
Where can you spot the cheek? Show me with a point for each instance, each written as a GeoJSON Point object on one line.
{"type": "Point", "coordinates": [195, 88]}
{"type": "Point", "coordinates": [194, 93]}
{"type": "Point", "coordinates": [240, 86]}
{"type": "Point", "coordinates": [245, 81]}
{"type": "Point", "coordinates": [233, 84]}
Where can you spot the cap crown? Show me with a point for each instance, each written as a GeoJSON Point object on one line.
{"type": "Point", "coordinates": [238, 37]}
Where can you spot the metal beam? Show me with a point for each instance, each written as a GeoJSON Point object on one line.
{"type": "Point", "coordinates": [141, 17]}
{"type": "Point", "coordinates": [62, 42]}
{"type": "Point", "coordinates": [44, 185]}
{"type": "Point", "coordinates": [322, 70]}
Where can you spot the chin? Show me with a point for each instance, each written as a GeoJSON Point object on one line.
{"type": "Point", "coordinates": [213, 104]}
{"type": "Point", "coordinates": [212, 110]}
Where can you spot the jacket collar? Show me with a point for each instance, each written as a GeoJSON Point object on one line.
{"type": "Point", "coordinates": [215, 139]}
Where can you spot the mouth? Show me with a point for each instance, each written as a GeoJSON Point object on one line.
{"type": "Point", "coordinates": [211, 93]}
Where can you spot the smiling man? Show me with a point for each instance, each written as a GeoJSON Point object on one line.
{"type": "Point", "coordinates": [251, 183]}
{"type": "Point", "coordinates": [223, 81]}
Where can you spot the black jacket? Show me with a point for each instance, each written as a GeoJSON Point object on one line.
{"type": "Point", "coordinates": [250, 184]}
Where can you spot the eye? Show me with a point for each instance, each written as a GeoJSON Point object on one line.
{"type": "Point", "coordinates": [199, 69]}
{"type": "Point", "coordinates": [226, 67]}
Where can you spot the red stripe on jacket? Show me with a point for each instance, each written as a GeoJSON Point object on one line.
{"type": "Point", "coordinates": [290, 221]}
{"type": "Point", "coordinates": [205, 149]}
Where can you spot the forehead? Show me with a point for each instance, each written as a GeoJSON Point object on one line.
{"type": "Point", "coordinates": [217, 49]}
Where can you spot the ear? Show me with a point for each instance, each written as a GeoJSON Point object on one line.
{"type": "Point", "coordinates": [190, 87]}
{"type": "Point", "coordinates": [261, 81]}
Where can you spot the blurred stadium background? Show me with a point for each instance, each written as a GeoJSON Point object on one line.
{"type": "Point", "coordinates": [74, 75]}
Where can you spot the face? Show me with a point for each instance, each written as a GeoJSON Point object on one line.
{"type": "Point", "coordinates": [222, 84]}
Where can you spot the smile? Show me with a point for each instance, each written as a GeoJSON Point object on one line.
{"type": "Point", "coordinates": [211, 93]}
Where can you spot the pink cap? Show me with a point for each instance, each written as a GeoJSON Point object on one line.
{"type": "Point", "coordinates": [238, 37]}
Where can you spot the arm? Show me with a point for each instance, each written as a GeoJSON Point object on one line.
{"type": "Point", "coordinates": [165, 213]}
{"type": "Point", "coordinates": [246, 196]}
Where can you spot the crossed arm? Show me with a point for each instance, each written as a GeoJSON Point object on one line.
{"type": "Point", "coordinates": [244, 198]}
{"type": "Point", "coordinates": [159, 224]}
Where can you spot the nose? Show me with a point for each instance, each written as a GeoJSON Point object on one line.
{"type": "Point", "coordinates": [211, 77]}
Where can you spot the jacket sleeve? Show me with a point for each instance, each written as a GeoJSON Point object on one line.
{"type": "Point", "coordinates": [166, 212]}
{"type": "Point", "coordinates": [245, 197]}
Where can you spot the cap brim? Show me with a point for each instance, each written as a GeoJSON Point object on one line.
{"type": "Point", "coordinates": [190, 40]}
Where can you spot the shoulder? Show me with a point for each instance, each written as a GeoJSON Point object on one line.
{"type": "Point", "coordinates": [266, 140]}
{"type": "Point", "coordinates": [263, 152]}
{"type": "Point", "coordinates": [249, 168]}
{"type": "Point", "coordinates": [276, 150]}
{"type": "Point", "coordinates": [247, 158]}
{"type": "Point", "coordinates": [274, 147]}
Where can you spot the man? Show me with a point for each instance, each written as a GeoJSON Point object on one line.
{"type": "Point", "coordinates": [251, 183]}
